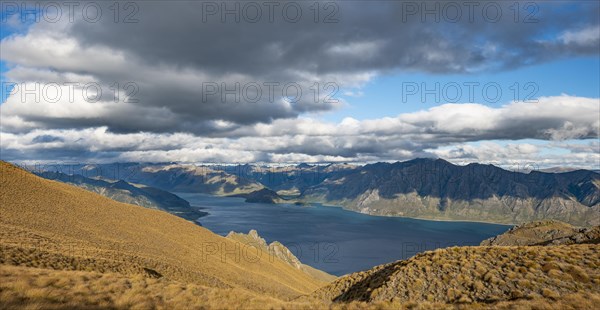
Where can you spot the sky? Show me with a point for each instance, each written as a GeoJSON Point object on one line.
{"type": "Point", "coordinates": [508, 83]}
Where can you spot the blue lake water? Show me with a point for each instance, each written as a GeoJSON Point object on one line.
{"type": "Point", "coordinates": [335, 240]}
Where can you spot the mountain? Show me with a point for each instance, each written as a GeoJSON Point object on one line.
{"type": "Point", "coordinates": [141, 195]}
{"type": "Point", "coordinates": [264, 195]}
{"type": "Point", "coordinates": [58, 235]}
{"type": "Point", "coordinates": [293, 180]}
{"type": "Point", "coordinates": [195, 179]}
{"type": "Point", "coordinates": [437, 189]}
{"type": "Point", "coordinates": [547, 232]}
{"type": "Point", "coordinates": [171, 177]}
{"type": "Point", "coordinates": [278, 250]}
{"type": "Point", "coordinates": [419, 188]}
{"type": "Point", "coordinates": [529, 277]}
{"type": "Point", "coordinates": [65, 247]}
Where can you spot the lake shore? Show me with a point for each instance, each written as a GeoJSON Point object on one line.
{"type": "Point", "coordinates": [334, 239]}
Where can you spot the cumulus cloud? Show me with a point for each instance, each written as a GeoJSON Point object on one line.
{"type": "Point", "coordinates": [167, 86]}
{"type": "Point", "coordinates": [447, 131]}
{"type": "Point", "coordinates": [523, 156]}
{"type": "Point", "coordinates": [589, 36]}
{"type": "Point", "coordinates": [173, 63]}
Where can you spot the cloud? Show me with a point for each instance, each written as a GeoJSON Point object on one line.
{"type": "Point", "coordinates": [449, 131]}
{"type": "Point", "coordinates": [183, 89]}
{"type": "Point", "coordinates": [187, 69]}
{"type": "Point", "coordinates": [589, 36]}
{"type": "Point", "coordinates": [522, 156]}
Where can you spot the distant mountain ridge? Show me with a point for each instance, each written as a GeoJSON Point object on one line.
{"type": "Point", "coordinates": [190, 178]}
{"type": "Point", "coordinates": [437, 189]}
{"type": "Point", "coordinates": [419, 188]}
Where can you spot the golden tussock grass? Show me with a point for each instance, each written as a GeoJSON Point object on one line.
{"type": "Point", "coordinates": [53, 225]}
{"type": "Point", "coordinates": [64, 247]}
{"type": "Point", "coordinates": [500, 274]}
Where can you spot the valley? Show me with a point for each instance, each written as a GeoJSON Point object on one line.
{"type": "Point", "coordinates": [63, 246]}
{"type": "Point", "coordinates": [421, 188]}
{"type": "Point", "coordinates": [335, 240]}
{"type": "Point", "coordinates": [299, 155]}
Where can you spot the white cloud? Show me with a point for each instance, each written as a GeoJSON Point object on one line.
{"type": "Point", "coordinates": [172, 123]}
{"type": "Point", "coordinates": [360, 50]}
{"type": "Point", "coordinates": [450, 131]}
{"type": "Point", "coordinates": [589, 36]}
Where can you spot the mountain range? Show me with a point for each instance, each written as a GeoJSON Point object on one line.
{"type": "Point", "coordinates": [65, 247]}
{"type": "Point", "coordinates": [437, 189]}
{"type": "Point", "coordinates": [419, 188]}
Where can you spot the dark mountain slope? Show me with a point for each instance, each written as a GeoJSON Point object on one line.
{"type": "Point", "coordinates": [438, 189]}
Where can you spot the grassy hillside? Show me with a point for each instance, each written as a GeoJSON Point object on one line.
{"type": "Point", "coordinates": [64, 247]}
{"type": "Point", "coordinates": [36, 288]}
{"type": "Point", "coordinates": [547, 232]}
{"type": "Point", "coordinates": [467, 275]}
{"type": "Point", "coordinates": [141, 195]}
{"type": "Point", "coordinates": [47, 224]}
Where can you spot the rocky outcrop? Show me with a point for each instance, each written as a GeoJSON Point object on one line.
{"type": "Point", "coordinates": [280, 251]}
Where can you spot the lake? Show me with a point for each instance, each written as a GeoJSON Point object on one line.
{"type": "Point", "coordinates": [333, 239]}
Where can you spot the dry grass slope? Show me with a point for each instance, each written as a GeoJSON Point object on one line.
{"type": "Point", "coordinates": [32, 288]}
{"type": "Point", "coordinates": [547, 232]}
{"type": "Point", "coordinates": [49, 224]}
{"type": "Point", "coordinates": [46, 289]}
{"type": "Point", "coordinates": [466, 275]}
{"type": "Point", "coordinates": [64, 247]}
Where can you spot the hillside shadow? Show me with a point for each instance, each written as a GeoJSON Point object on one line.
{"type": "Point", "coordinates": [362, 290]}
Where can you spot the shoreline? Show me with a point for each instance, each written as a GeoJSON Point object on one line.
{"type": "Point", "coordinates": [304, 204]}
{"type": "Point", "coordinates": [419, 218]}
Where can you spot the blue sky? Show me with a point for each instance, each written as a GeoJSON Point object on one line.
{"type": "Point", "coordinates": [169, 52]}
{"type": "Point", "coordinates": [383, 96]}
